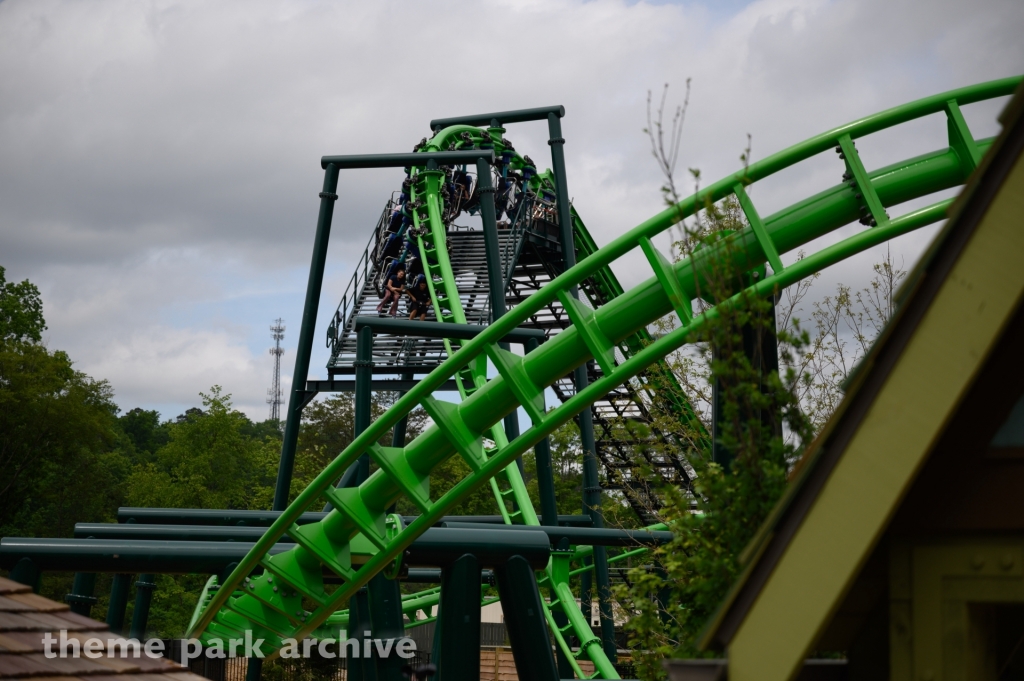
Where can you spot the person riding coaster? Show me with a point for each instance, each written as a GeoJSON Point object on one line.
{"type": "Point", "coordinates": [393, 290]}
{"type": "Point", "coordinates": [420, 299]}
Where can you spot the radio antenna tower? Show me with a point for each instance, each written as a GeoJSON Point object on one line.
{"type": "Point", "coordinates": [277, 331]}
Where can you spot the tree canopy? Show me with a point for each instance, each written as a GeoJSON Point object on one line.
{"type": "Point", "coordinates": [21, 311]}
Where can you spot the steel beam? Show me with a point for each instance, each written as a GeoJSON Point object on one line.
{"type": "Point", "coordinates": [434, 548]}
{"type": "Point", "coordinates": [501, 117]}
{"type": "Point", "coordinates": [130, 515]}
{"type": "Point", "coordinates": [424, 329]}
{"type": "Point", "coordinates": [591, 484]}
{"type": "Point", "coordinates": [25, 571]}
{"type": "Point", "coordinates": [296, 399]}
{"type": "Point", "coordinates": [143, 599]}
{"type": "Point", "coordinates": [315, 387]}
{"type": "Point", "coordinates": [199, 516]}
{"type": "Point", "coordinates": [583, 536]}
{"type": "Point", "coordinates": [588, 536]}
{"type": "Point", "coordinates": [426, 158]}
{"type": "Point", "coordinates": [458, 623]}
{"type": "Point", "coordinates": [524, 619]}
{"type": "Point", "coordinates": [119, 588]}
{"type": "Point", "coordinates": [81, 598]}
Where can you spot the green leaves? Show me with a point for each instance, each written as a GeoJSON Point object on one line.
{"type": "Point", "coordinates": [210, 461]}
{"type": "Point", "coordinates": [21, 311]}
{"type": "Point", "coordinates": [57, 430]}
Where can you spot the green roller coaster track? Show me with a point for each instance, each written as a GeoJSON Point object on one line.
{"type": "Point", "coordinates": [358, 539]}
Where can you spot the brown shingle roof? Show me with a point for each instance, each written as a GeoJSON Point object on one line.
{"type": "Point", "coordinates": [25, 618]}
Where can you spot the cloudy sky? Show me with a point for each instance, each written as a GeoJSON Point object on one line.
{"type": "Point", "coordinates": [159, 161]}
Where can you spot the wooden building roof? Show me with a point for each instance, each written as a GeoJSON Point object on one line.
{"type": "Point", "coordinates": [26, 617]}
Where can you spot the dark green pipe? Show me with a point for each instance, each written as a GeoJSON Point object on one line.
{"type": "Point", "coordinates": [586, 536]}
{"type": "Point", "coordinates": [398, 434]}
{"type": "Point", "coordinates": [436, 547]}
{"type": "Point", "coordinates": [405, 327]}
{"type": "Point", "coordinates": [459, 620]}
{"type": "Point", "coordinates": [360, 668]}
{"type": "Point", "coordinates": [495, 275]}
{"type": "Point", "coordinates": [502, 117]}
{"type": "Point", "coordinates": [334, 385]}
{"type": "Point", "coordinates": [591, 488]}
{"type": "Point", "coordinates": [196, 516]}
{"type": "Point", "coordinates": [305, 344]}
{"type": "Point", "coordinates": [433, 576]}
{"type": "Point", "coordinates": [149, 532]}
{"type": "Point", "coordinates": [524, 620]}
{"type": "Point", "coordinates": [25, 571]}
{"type": "Point", "coordinates": [81, 598]}
{"type": "Point", "coordinates": [200, 516]}
{"type": "Point", "coordinates": [143, 599]}
{"type": "Point", "coordinates": [495, 278]}
{"type": "Point", "coordinates": [449, 158]}
{"type": "Point", "coordinates": [545, 474]}
{"type": "Point", "coordinates": [386, 622]}
{"type": "Point", "coordinates": [363, 396]}
{"type": "Point", "coordinates": [119, 588]}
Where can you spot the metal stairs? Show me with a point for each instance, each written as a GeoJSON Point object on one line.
{"type": "Point", "coordinates": [531, 257]}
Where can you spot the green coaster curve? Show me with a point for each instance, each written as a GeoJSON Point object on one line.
{"type": "Point", "coordinates": [357, 540]}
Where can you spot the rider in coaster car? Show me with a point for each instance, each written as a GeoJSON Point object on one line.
{"type": "Point", "coordinates": [420, 299]}
{"type": "Point", "coordinates": [393, 290]}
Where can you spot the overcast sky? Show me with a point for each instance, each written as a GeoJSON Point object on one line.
{"type": "Point", "coordinates": [159, 161]}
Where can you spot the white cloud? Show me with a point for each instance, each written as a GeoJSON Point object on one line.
{"type": "Point", "coordinates": [160, 160]}
{"type": "Point", "coordinates": [174, 364]}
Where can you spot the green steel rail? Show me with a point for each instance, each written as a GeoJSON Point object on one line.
{"type": "Point", "coordinates": [357, 529]}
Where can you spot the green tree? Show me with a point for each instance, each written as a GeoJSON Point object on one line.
{"type": "Point", "coordinates": [764, 418]}
{"type": "Point", "coordinates": [143, 434]}
{"type": "Point", "coordinates": [21, 311]}
{"type": "Point", "coordinates": [670, 597]}
{"type": "Point", "coordinates": [57, 429]}
{"type": "Point", "coordinates": [208, 462]}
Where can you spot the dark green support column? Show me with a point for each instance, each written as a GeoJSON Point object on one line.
{"type": "Point", "coordinates": [524, 619]}
{"type": "Point", "coordinates": [604, 603]}
{"type": "Point", "coordinates": [81, 598]}
{"type": "Point", "coordinates": [26, 572]}
{"type": "Point", "coordinates": [385, 601]}
{"type": "Point", "coordinates": [305, 345]}
{"type": "Point", "coordinates": [435, 648]}
{"type": "Point", "coordinates": [119, 589]}
{"type": "Point", "coordinates": [761, 347]}
{"type": "Point", "coordinates": [254, 669]}
{"type": "Point", "coordinates": [545, 483]}
{"type": "Point", "coordinates": [143, 599]}
{"type": "Point", "coordinates": [381, 606]}
{"type": "Point", "coordinates": [459, 649]}
{"type": "Point", "coordinates": [363, 394]}
{"type": "Point", "coordinates": [545, 475]}
{"type": "Point", "coordinates": [363, 398]}
{"type": "Point", "coordinates": [495, 277]}
{"type": "Point", "coordinates": [398, 434]}
{"type": "Point", "coordinates": [587, 592]}
{"type": "Point", "coordinates": [361, 668]}
{"type": "Point", "coordinates": [495, 272]}
{"type": "Point", "coordinates": [591, 488]}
